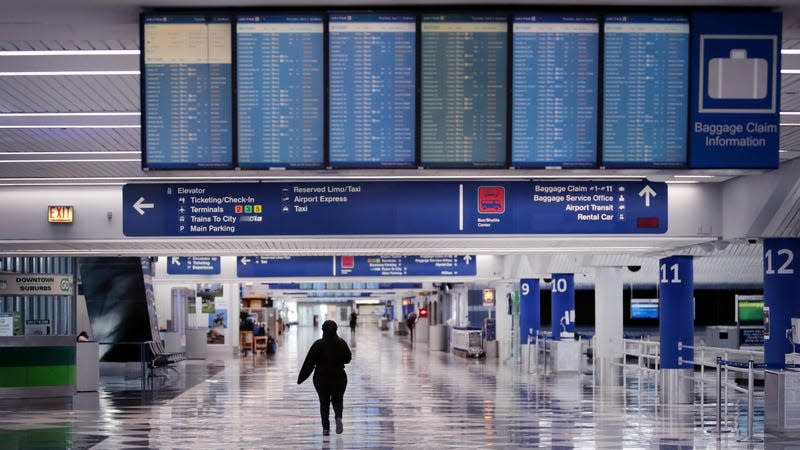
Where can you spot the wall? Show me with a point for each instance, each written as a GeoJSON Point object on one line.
{"type": "Point", "coordinates": [754, 206]}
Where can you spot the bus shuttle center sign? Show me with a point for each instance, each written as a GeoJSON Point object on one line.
{"type": "Point", "coordinates": [395, 208]}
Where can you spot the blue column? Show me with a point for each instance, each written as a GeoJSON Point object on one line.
{"type": "Point", "coordinates": [781, 301]}
{"type": "Point", "coordinates": [530, 319]}
{"type": "Point", "coordinates": [676, 305]}
{"type": "Point", "coordinates": [563, 310]}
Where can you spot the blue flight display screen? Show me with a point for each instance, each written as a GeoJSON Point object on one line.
{"type": "Point", "coordinates": [645, 101]}
{"type": "Point", "coordinates": [463, 98]}
{"type": "Point", "coordinates": [372, 85]}
{"type": "Point", "coordinates": [279, 64]}
{"type": "Point", "coordinates": [187, 84]}
{"type": "Point", "coordinates": [554, 94]}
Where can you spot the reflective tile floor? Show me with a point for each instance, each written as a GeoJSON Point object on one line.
{"type": "Point", "coordinates": [398, 396]}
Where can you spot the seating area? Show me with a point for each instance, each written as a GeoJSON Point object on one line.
{"type": "Point", "coordinates": [160, 358]}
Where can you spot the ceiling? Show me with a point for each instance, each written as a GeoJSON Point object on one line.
{"type": "Point", "coordinates": [83, 128]}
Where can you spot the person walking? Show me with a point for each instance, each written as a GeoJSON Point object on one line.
{"type": "Point", "coordinates": [353, 321]}
{"type": "Point", "coordinates": [326, 358]}
{"type": "Point", "coordinates": [411, 321]}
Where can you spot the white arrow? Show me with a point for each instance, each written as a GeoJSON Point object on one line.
{"type": "Point", "coordinates": [245, 260]}
{"type": "Point", "coordinates": [467, 259]}
{"type": "Point", "coordinates": [140, 207]}
{"type": "Point", "coordinates": [175, 261]}
{"type": "Point", "coordinates": [647, 192]}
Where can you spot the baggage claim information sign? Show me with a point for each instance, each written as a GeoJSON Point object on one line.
{"type": "Point", "coordinates": [734, 115]}
{"type": "Point", "coordinates": [392, 208]}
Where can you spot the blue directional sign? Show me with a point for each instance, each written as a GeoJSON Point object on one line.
{"type": "Point", "coordinates": [288, 266]}
{"type": "Point", "coordinates": [334, 286]}
{"type": "Point", "coordinates": [736, 92]}
{"type": "Point", "coordinates": [395, 208]}
{"type": "Point", "coordinates": [452, 265]}
{"type": "Point", "coordinates": [193, 265]}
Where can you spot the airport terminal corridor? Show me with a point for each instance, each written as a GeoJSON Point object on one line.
{"type": "Point", "coordinates": [398, 396]}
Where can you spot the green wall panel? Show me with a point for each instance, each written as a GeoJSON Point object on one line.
{"type": "Point", "coordinates": [13, 376]}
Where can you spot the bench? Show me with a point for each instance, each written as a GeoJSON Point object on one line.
{"type": "Point", "coordinates": [160, 358]}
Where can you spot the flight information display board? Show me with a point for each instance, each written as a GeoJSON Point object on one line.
{"type": "Point", "coordinates": [646, 81]}
{"type": "Point", "coordinates": [372, 85]}
{"type": "Point", "coordinates": [463, 100]}
{"type": "Point", "coordinates": [554, 94]}
{"type": "Point", "coordinates": [187, 85]}
{"type": "Point", "coordinates": [279, 66]}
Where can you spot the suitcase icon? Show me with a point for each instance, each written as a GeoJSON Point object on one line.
{"type": "Point", "coordinates": [737, 77]}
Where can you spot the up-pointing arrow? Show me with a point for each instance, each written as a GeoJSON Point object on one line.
{"type": "Point", "coordinates": [647, 192]}
{"type": "Point", "coordinates": [140, 206]}
{"type": "Point", "coordinates": [176, 261]}
{"type": "Point", "coordinates": [245, 260]}
{"type": "Point", "coordinates": [467, 259]}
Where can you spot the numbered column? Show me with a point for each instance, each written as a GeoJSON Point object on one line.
{"type": "Point", "coordinates": [563, 309]}
{"type": "Point", "coordinates": [530, 319]}
{"type": "Point", "coordinates": [781, 301]}
{"type": "Point", "coordinates": [676, 301]}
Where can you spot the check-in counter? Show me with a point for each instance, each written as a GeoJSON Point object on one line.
{"type": "Point", "coordinates": [37, 366]}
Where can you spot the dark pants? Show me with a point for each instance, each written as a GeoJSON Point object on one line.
{"type": "Point", "coordinates": [330, 390]}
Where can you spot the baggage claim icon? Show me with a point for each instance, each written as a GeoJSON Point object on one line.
{"type": "Point", "coordinates": [738, 74]}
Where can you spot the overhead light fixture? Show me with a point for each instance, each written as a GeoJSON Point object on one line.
{"type": "Point", "coordinates": [11, 127]}
{"type": "Point", "coordinates": [110, 152]}
{"type": "Point", "coordinates": [694, 176]}
{"type": "Point", "coordinates": [68, 52]}
{"type": "Point", "coordinates": [790, 71]}
{"type": "Point", "coordinates": [67, 73]}
{"type": "Point", "coordinates": [71, 114]}
{"type": "Point", "coordinates": [681, 182]}
{"type": "Point", "coordinates": [790, 51]}
{"type": "Point", "coordinates": [67, 160]}
{"type": "Point", "coordinates": [790, 113]}
{"type": "Point", "coordinates": [790, 124]}
{"type": "Point", "coordinates": [71, 184]}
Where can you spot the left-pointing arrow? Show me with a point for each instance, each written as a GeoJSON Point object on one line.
{"type": "Point", "coordinates": [140, 206]}
{"type": "Point", "coordinates": [245, 260]}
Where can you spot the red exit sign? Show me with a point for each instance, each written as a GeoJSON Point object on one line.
{"type": "Point", "coordinates": [60, 214]}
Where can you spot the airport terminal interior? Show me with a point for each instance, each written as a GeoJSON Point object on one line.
{"type": "Point", "coordinates": [535, 224]}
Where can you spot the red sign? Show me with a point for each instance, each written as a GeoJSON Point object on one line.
{"type": "Point", "coordinates": [59, 214]}
{"type": "Point", "coordinates": [348, 262]}
{"type": "Point", "coordinates": [491, 199]}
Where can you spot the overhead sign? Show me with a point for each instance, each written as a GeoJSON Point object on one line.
{"type": "Point", "coordinates": [60, 214]}
{"type": "Point", "coordinates": [734, 120]}
{"type": "Point", "coordinates": [395, 208]}
{"type": "Point", "coordinates": [333, 286]}
{"type": "Point", "coordinates": [381, 266]}
{"type": "Point", "coordinates": [284, 266]}
{"type": "Point", "coordinates": [193, 265]}
{"type": "Point", "coordinates": [35, 284]}
{"type": "Point", "coordinates": [351, 266]}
